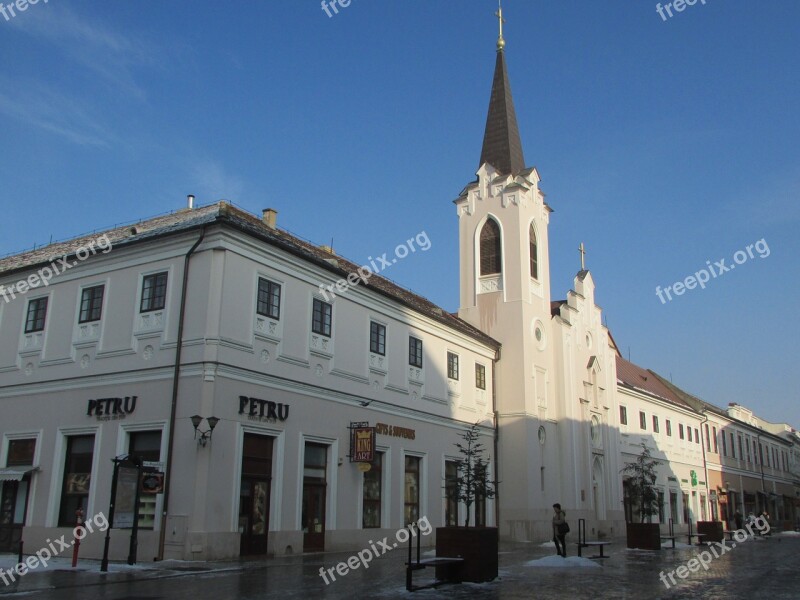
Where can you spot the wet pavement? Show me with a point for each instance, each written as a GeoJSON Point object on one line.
{"type": "Point", "coordinates": [758, 568]}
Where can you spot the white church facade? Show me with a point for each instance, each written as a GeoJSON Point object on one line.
{"type": "Point", "coordinates": [203, 343]}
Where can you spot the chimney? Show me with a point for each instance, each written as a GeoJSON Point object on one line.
{"type": "Point", "coordinates": [190, 200]}
{"type": "Point", "coordinates": [270, 217]}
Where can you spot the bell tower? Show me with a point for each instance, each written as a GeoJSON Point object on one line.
{"type": "Point", "coordinates": [505, 292]}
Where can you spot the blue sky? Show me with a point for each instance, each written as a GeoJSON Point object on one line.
{"type": "Point", "coordinates": [661, 144]}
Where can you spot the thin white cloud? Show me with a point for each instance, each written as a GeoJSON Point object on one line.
{"type": "Point", "coordinates": [48, 109]}
{"type": "Point", "coordinates": [112, 55]}
{"type": "Point", "coordinates": [212, 182]}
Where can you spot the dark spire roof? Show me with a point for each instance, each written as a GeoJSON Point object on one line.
{"type": "Point", "coordinates": [502, 147]}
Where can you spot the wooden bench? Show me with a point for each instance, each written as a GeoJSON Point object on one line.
{"type": "Point", "coordinates": [452, 571]}
{"type": "Point", "coordinates": [451, 567]}
{"type": "Point", "coordinates": [601, 545]}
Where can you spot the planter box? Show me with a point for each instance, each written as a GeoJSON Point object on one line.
{"type": "Point", "coordinates": [645, 536]}
{"type": "Point", "coordinates": [712, 530]}
{"type": "Point", "coordinates": [476, 545]}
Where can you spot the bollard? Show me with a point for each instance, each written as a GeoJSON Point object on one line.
{"type": "Point", "coordinates": [77, 543]}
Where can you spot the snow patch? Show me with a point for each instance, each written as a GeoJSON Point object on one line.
{"type": "Point", "coordinates": [560, 561]}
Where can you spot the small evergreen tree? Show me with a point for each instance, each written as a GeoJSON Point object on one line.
{"type": "Point", "coordinates": [642, 477]}
{"type": "Point", "coordinates": [472, 472]}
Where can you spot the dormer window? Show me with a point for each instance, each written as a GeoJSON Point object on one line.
{"type": "Point", "coordinates": [491, 250]}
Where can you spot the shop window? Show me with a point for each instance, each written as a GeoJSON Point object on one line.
{"type": "Point", "coordinates": [450, 493]}
{"type": "Point", "coordinates": [411, 490]}
{"type": "Point", "coordinates": [77, 478]}
{"type": "Point", "coordinates": [373, 493]}
{"type": "Point", "coordinates": [146, 446]}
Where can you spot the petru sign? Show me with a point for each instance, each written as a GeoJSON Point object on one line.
{"type": "Point", "coordinates": [263, 410]}
{"type": "Point", "coordinates": [111, 409]}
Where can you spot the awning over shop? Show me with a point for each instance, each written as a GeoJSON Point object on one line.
{"type": "Point", "coordinates": [15, 473]}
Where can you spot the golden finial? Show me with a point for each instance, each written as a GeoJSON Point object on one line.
{"type": "Point", "coordinates": [501, 43]}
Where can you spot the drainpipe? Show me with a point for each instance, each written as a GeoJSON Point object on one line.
{"type": "Point", "coordinates": [705, 462]}
{"type": "Point", "coordinates": [496, 443]}
{"type": "Point", "coordinates": [761, 464]}
{"type": "Point", "coordinates": [174, 409]}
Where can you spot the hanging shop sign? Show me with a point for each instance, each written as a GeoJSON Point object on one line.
{"type": "Point", "coordinates": [111, 409]}
{"type": "Point", "coordinates": [152, 483]}
{"type": "Point", "coordinates": [395, 431]}
{"type": "Point", "coordinates": [263, 410]}
{"type": "Point", "coordinates": [362, 443]}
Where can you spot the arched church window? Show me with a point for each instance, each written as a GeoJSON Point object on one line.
{"type": "Point", "coordinates": [491, 253]}
{"type": "Point", "coordinates": [534, 253]}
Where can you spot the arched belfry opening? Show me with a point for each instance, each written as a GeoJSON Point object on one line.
{"type": "Point", "coordinates": [491, 249]}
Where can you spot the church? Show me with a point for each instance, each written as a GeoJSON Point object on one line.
{"type": "Point", "coordinates": [209, 344]}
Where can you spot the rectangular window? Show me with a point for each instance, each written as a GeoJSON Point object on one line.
{"type": "Point", "coordinates": [680, 430]}
{"type": "Point", "coordinates": [716, 443]}
{"type": "Point", "coordinates": [146, 445]}
{"type": "Point", "coordinates": [755, 453]}
{"type": "Point", "coordinates": [623, 415]}
{"type": "Point", "coordinates": [655, 424]}
{"type": "Point", "coordinates": [91, 304]}
{"type": "Point", "coordinates": [686, 513]}
{"type": "Point", "coordinates": [450, 493]}
{"type": "Point", "coordinates": [673, 506]}
{"type": "Point", "coordinates": [37, 310]}
{"type": "Point", "coordinates": [480, 376]}
{"type": "Point", "coordinates": [689, 432]}
{"type": "Point", "coordinates": [21, 452]}
{"type": "Point", "coordinates": [661, 514]}
{"type": "Point", "coordinates": [154, 292]}
{"type": "Point", "coordinates": [268, 303]}
{"type": "Point", "coordinates": [642, 420]}
{"type": "Point", "coordinates": [414, 352]}
{"type": "Point", "coordinates": [373, 492]}
{"type": "Point", "coordinates": [377, 338]}
{"type": "Point", "coordinates": [741, 451]}
{"type": "Point", "coordinates": [452, 365]}
{"type": "Point", "coordinates": [322, 318]}
{"type": "Point", "coordinates": [696, 436]}
{"type": "Point", "coordinates": [708, 438]}
{"type": "Point", "coordinates": [669, 427]}
{"type": "Point", "coordinates": [77, 478]}
{"type": "Point", "coordinates": [411, 489]}
{"type": "Point", "coordinates": [724, 443]}
{"type": "Point", "coordinates": [733, 448]}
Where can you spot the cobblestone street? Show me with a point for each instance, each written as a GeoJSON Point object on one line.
{"type": "Point", "coordinates": [759, 568]}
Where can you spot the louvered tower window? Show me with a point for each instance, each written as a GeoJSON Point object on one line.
{"type": "Point", "coordinates": [491, 254]}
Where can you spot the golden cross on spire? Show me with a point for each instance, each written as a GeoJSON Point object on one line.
{"type": "Point", "coordinates": [582, 250]}
{"type": "Point", "coordinates": [499, 14]}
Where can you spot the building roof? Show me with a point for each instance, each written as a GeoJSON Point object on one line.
{"type": "Point", "coordinates": [635, 377]}
{"type": "Point", "coordinates": [224, 213]}
{"type": "Point", "coordinates": [502, 147]}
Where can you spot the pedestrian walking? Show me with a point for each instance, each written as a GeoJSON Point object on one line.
{"type": "Point", "coordinates": [738, 518]}
{"type": "Point", "coordinates": [560, 529]}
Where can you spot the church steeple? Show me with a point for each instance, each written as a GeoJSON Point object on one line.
{"type": "Point", "coordinates": [502, 147]}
